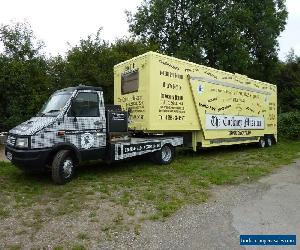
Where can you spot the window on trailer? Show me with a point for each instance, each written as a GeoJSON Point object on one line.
{"type": "Point", "coordinates": [130, 82]}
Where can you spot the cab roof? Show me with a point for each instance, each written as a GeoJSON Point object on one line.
{"type": "Point", "coordinates": [80, 87]}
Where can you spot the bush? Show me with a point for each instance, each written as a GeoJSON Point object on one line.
{"type": "Point", "coordinates": [289, 125]}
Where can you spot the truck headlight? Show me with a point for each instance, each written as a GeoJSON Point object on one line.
{"type": "Point", "coordinates": [22, 143]}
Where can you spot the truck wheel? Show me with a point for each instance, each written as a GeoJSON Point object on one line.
{"type": "Point", "coordinates": [262, 142]}
{"type": "Point", "coordinates": [165, 155]}
{"type": "Point", "coordinates": [62, 167]}
{"type": "Point", "coordinates": [269, 141]}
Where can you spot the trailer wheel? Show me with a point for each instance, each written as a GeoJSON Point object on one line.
{"type": "Point", "coordinates": [261, 142]}
{"type": "Point", "coordinates": [62, 167]}
{"type": "Point", "coordinates": [269, 141]}
{"type": "Point", "coordinates": [165, 155]}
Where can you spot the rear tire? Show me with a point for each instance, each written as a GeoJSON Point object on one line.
{"type": "Point", "coordinates": [62, 167]}
{"type": "Point", "coordinates": [165, 155]}
{"type": "Point", "coordinates": [261, 142]}
{"type": "Point", "coordinates": [269, 141]}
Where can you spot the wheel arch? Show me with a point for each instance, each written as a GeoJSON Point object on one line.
{"type": "Point", "coordinates": [64, 146]}
{"type": "Point", "coordinates": [169, 144]}
{"type": "Point", "coordinates": [272, 136]}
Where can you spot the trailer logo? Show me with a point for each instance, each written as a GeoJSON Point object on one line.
{"type": "Point", "coordinates": [87, 141]}
{"type": "Point", "coordinates": [220, 122]}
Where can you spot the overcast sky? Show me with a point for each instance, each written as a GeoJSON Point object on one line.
{"type": "Point", "coordinates": [59, 22]}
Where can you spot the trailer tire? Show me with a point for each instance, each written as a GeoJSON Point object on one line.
{"type": "Point", "coordinates": [165, 155]}
{"type": "Point", "coordinates": [261, 142]}
{"type": "Point", "coordinates": [269, 141]}
{"type": "Point", "coordinates": [62, 167]}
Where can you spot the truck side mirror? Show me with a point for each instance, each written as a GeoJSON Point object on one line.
{"type": "Point", "coordinates": [73, 111]}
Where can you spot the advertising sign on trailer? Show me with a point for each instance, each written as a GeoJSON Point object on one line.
{"type": "Point", "coordinates": [233, 122]}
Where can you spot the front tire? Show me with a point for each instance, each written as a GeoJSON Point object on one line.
{"type": "Point", "coordinates": [165, 155]}
{"type": "Point", "coordinates": [62, 167]}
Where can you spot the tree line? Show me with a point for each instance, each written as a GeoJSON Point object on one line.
{"type": "Point", "coordinates": [237, 36]}
{"type": "Point", "coordinates": [28, 77]}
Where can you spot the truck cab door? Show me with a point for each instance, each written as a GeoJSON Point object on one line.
{"type": "Point", "coordinates": [86, 122]}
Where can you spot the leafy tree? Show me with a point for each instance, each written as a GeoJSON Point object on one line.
{"type": "Point", "coordinates": [236, 35]}
{"type": "Point", "coordinates": [23, 74]}
{"type": "Point", "coordinates": [19, 41]}
{"type": "Point", "coordinates": [27, 78]}
{"type": "Point", "coordinates": [56, 69]}
{"type": "Point", "coordinates": [289, 125]}
{"type": "Point", "coordinates": [288, 84]}
{"type": "Point", "coordinates": [92, 61]}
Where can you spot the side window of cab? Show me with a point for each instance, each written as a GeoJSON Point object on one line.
{"type": "Point", "coordinates": [85, 104]}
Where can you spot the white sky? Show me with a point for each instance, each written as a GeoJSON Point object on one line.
{"type": "Point", "coordinates": [59, 22]}
{"type": "Point", "coordinates": [290, 37]}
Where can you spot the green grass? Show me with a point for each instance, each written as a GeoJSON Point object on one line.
{"type": "Point", "coordinates": [4, 213]}
{"type": "Point", "coordinates": [58, 248]}
{"type": "Point", "coordinates": [139, 188]}
{"type": "Point", "coordinates": [78, 247]}
{"type": "Point", "coordinates": [15, 247]}
{"type": "Point", "coordinates": [83, 236]}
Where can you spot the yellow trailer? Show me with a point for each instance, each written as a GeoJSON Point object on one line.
{"type": "Point", "coordinates": [164, 102]}
{"type": "Point", "coordinates": [208, 107]}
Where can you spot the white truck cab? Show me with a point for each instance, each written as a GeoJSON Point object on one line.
{"type": "Point", "coordinates": [74, 125]}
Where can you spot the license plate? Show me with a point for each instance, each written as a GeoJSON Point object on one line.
{"type": "Point", "coordinates": [9, 156]}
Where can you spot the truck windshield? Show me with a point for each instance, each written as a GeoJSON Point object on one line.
{"type": "Point", "coordinates": [55, 104]}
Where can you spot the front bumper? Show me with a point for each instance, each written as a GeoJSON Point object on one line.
{"type": "Point", "coordinates": [28, 160]}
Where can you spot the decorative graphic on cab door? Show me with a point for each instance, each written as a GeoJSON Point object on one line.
{"type": "Point", "coordinates": [87, 141]}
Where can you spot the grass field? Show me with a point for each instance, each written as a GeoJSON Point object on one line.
{"type": "Point", "coordinates": [119, 197]}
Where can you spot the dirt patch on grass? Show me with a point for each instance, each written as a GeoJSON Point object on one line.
{"type": "Point", "coordinates": [38, 227]}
